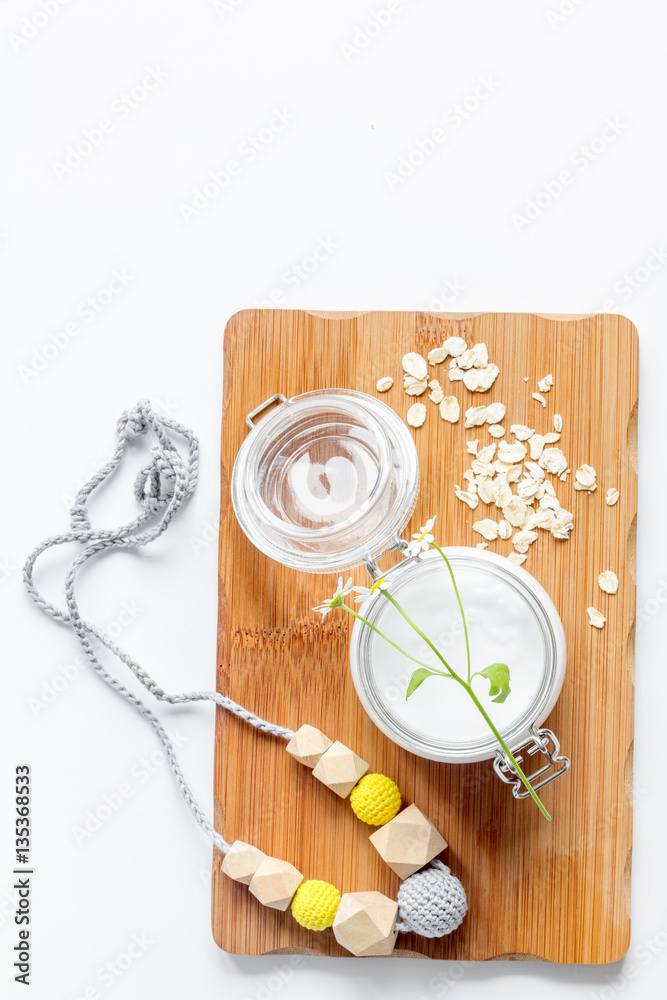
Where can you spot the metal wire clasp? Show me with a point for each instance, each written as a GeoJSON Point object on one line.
{"type": "Point", "coordinates": [372, 567]}
{"type": "Point", "coordinates": [277, 398]}
{"type": "Point", "coordinates": [556, 764]}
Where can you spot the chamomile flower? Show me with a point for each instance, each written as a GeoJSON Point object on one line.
{"type": "Point", "coordinates": [365, 593]}
{"type": "Point", "coordinates": [336, 601]}
{"type": "Point", "coordinates": [422, 542]}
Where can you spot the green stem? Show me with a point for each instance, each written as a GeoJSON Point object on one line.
{"type": "Point", "coordinates": [508, 752]}
{"type": "Point", "coordinates": [419, 632]}
{"type": "Point", "coordinates": [386, 638]}
{"type": "Point", "coordinates": [458, 598]}
{"type": "Point", "coordinates": [454, 676]}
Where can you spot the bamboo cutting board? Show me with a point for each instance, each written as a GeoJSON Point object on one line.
{"type": "Point", "coordinates": [557, 891]}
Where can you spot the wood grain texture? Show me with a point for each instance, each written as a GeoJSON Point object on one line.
{"type": "Point", "coordinates": [558, 891]}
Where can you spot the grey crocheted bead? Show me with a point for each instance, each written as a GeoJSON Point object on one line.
{"type": "Point", "coordinates": [432, 902]}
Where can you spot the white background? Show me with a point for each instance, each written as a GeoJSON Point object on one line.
{"type": "Point", "coordinates": [359, 101]}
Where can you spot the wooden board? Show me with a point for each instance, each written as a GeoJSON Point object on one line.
{"type": "Point", "coordinates": [557, 891]}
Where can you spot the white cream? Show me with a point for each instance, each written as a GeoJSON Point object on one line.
{"type": "Point", "coordinates": [502, 628]}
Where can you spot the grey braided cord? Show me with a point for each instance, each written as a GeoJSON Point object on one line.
{"type": "Point", "coordinates": [161, 488]}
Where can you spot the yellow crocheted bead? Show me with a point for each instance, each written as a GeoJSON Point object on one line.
{"type": "Point", "coordinates": [314, 904]}
{"type": "Point", "coordinates": [375, 799]}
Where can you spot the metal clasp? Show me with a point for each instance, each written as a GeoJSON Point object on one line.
{"type": "Point", "coordinates": [372, 567]}
{"type": "Point", "coordinates": [264, 406]}
{"type": "Point", "coordinates": [537, 743]}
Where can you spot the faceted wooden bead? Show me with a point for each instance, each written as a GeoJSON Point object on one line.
{"type": "Point", "coordinates": [242, 861]}
{"type": "Point", "coordinates": [408, 842]}
{"type": "Point", "coordinates": [307, 745]}
{"type": "Point", "coordinates": [275, 882]}
{"type": "Point", "coordinates": [339, 768]}
{"type": "Point", "coordinates": [365, 923]}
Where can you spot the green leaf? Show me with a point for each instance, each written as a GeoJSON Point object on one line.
{"type": "Point", "coordinates": [417, 678]}
{"type": "Point", "coordinates": [499, 676]}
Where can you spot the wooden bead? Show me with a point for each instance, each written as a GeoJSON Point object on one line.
{"type": "Point", "coordinates": [275, 882]}
{"type": "Point", "coordinates": [365, 923]}
{"type": "Point", "coordinates": [242, 861]}
{"type": "Point", "coordinates": [408, 842]}
{"type": "Point", "coordinates": [339, 768]}
{"type": "Point", "coordinates": [307, 745]}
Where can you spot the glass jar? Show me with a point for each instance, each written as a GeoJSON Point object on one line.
{"type": "Point", "coordinates": [511, 619]}
{"type": "Point", "coordinates": [327, 481]}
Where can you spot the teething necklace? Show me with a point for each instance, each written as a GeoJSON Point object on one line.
{"type": "Point", "coordinates": [431, 901]}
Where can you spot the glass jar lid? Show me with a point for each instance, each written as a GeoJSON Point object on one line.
{"type": "Point", "coordinates": [325, 480]}
{"type": "Point", "coordinates": [510, 618]}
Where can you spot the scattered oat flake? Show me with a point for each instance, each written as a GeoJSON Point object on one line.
{"type": "Point", "coordinates": [482, 468]}
{"type": "Point", "coordinates": [467, 359]}
{"type": "Point", "coordinates": [414, 386]}
{"type": "Point", "coordinates": [434, 384]}
{"type": "Point", "coordinates": [487, 490]}
{"type": "Point", "coordinates": [487, 453]}
{"type": "Point", "coordinates": [516, 512]}
{"type": "Point", "coordinates": [495, 413]}
{"type": "Point", "coordinates": [528, 489]}
{"type": "Point", "coordinates": [540, 399]}
{"type": "Point", "coordinates": [455, 375]}
{"type": "Point", "coordinates": [482, 545]}
{"type": "Point", "coordinates": [553, 460]}
{"type": "Point", "coordinates": [450, 409]}
{"type": "Point", "coordinates": [522, 540]}
{"type": "Point", "coordinates": [475, 416]}
{"type": "Point", "coordinates": [543, 519]}
{"type": "Point", "coordinates": [503, 493]}
{"type": "Point", "coordinates": [596, 618]}
{"type": "Point", "coordinates": [585, 478]}
{"type": "Point", "coordinates": [551, 437]}
{"type": "Point", "coordinates": [487, 529]}
{"type": "Point", "coordinates": [513, 473]}
{"type": "Point", "coordinates": [608, 581]}
{"type": "Point", "coordinates": [511, 452]}
{"type": "Point", "coordinates": [534, 470]}
{"type": "Point", "coordinates": [414, 364]}
{"type": "Point", "coordinates": [504, 530]}
{"type": "Point", "coordinates": [612, 497]}
{"type": "Point", "coordinates": [525, 378]}
{"type": "Point", "coordinates": [472, 446]}
{"type": "Point", "coordinates": [466, 497]}
{"type": "Point", "coordinates": [436, 396]}
{"type": "Point", "coordinates": [481, 379]}
{"type": "Point", "coordinates": [544, 385]}
{"type": "Point", "coordinates": [558, 422]}
{"type": "Point", "coordinates": [516, 557]}
{"type": "Point", "coordinates": [536, 445]}
{"type": "Point", "coordinates": [563, 523]}
{"type": "Point", "coordinates": [416, 414]}
{"type": "Point", "coordinates": [384, 383]}
{"type": "Point", "coordinates": [437, 355]}
{"type": "Point", "coordinates": [481, 355]}
{"type": "Point", "coordinates": [548, 502]}
{"type": "Point", "coordinates": [497, 430]}
{"type": "Point", "coordinates": [455, 346]}
{"type": "Point", "coordinates": [521, 432]}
